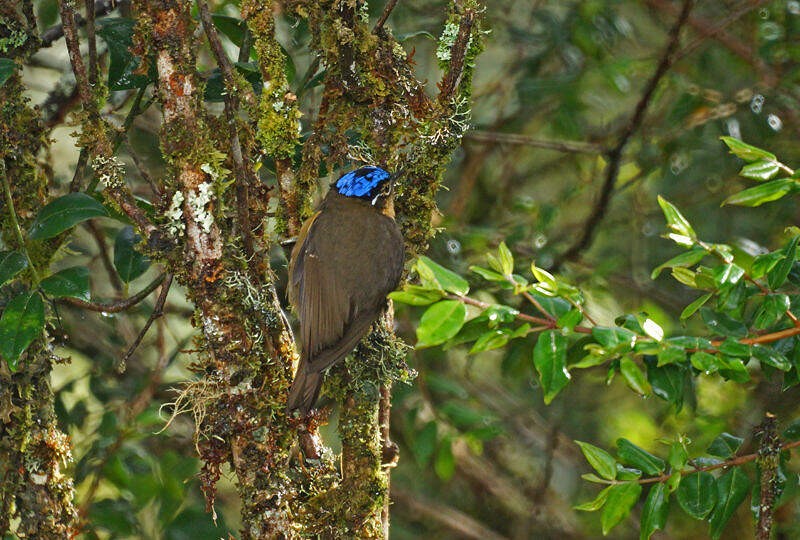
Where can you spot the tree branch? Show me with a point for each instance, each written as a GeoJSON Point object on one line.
{"type": "Point", "coordinates": [615, 154]}
{"type": "Point", "coordinates": [525, 140]}
{"type": "Point", "coordinates": [122, 305]}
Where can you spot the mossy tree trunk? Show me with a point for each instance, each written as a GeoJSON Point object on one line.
{"type": "Point", "coordinates": [210, 232]}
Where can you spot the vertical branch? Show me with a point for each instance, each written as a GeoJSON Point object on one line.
{"type": "Point", "coordinates": [278, 114]}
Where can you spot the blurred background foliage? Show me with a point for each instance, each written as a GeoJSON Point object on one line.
{"type": "Point", "coordinates": [481, 456]}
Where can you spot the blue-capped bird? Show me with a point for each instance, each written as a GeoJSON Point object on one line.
{"type": "Point", "coordinates": [347, 258]}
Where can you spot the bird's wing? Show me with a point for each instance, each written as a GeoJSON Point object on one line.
{"type": "Point", "coordinates": [321, 303]}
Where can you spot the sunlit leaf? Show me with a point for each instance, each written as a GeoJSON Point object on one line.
{"type": "Point", "coordinates": [550, 360]}
{"type": "Point", "coordinates": [675, 221]}
{"type": "Point", "coordinates": [440, 322]}
{"type": "Point", "coordinates": [747, 152]}
{"type": "Point", "coordinates": [760, 170]}
{"type": "Point", "coordinates": [417, 296]}
{"type": "Point", "coordinates": [600, 460]}
{"type": "Point", "coordinates": [762, 193]}
{"type": "Point", "coordinates": [619, 503]}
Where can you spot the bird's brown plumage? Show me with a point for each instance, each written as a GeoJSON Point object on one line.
{"type": "Point", "coordinates": [348, 258]}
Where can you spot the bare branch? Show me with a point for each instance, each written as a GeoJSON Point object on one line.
{"type": "Point", "coordinates": [122, 305]}
{"type": "Point", "coordinates": [158, 311]}
{"type": "Point", "coordinates": [387, 10]}
{"type": "Point", "coordinates": [615, 154]}
{"type": "Point", "coordinates": [577, 147]}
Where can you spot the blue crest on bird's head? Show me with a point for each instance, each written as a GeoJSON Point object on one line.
{"type": "Point", "coordinates": [364, 183]}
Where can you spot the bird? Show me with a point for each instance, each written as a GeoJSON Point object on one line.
{"type": "Point", "coordinates": [348, 257]}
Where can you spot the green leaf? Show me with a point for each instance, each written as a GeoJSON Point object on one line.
{"type": "Point", "coordinates": [792, 431]}
{"type": "Point", "coordinates": [685, 276]}
{"type": "Point", "coordinates": [732, 488]}
{"type": "Point", "coordinates": [215, 89]}
{"type": "Point", "coordinates": [445, 463]}
{"type": "Point", "coordinates": [704, 362]}
{"type": "Point", "coordinates": [600, 460]}
{"type": "Point", "coordinates": [677, 456]}
{"type": "Point", "coordinates": [123, 67]}
{"type": "Point", "coordinates": [232, 27]}
{"type": "Point", "coordinates": [747, 152]}
{"type": "Point", "coordinates": [440, 322]}
{"type": "Point", "coordinates": [570, 319]}
{"type": "Point", "coordinates": [493, 339]}
{"type": "Point", "coordinates": [671, 355]}
{"type": "Point", "coordinates": [720, 323]}
{"type": "Point", "coordinates": [632, 455]}
{"type": "Point", "coordinates": [614, 337]}
{"type": "Point", "coordinates": [675, 220]}
{"type": "Point", "coordinates": [129, 263]}
{"type": "Point", "coordinates": [731, 347]}
{"type": "Point", "coordinates": [634, 376]}
{"type": "Point", "coordinates": [667, 382]}
{"type": "Point", "coordinates": [416, 296]}
{"type": "Point", "coordinates": [771, 357]}
{"type": "Point", "coordinates": [7, 69]}
{"type": "Point", "coordinates": [686, 259]}
{"type": "Point", "coordinates": [777, 276]}
{"type": "Point", "coordinates": [764, 263]}
{"type": "Point", "coordinates": [654, 511]}
{"type": "Point", "coordinates": [11, 264]}
{"type": "Point", "coordinates": [760, 170]}
{"type": "Point", "coordinates": [21, 323]}
{"type": "Point", "coordinates": [550, 359]}
{"type": "Point", "coordinates": [506, 259]}
{"type": "Point", "coordinates": [619, 503]}
{"type": "Point", "coordinates": [697, 494]}
{"type": "Point", "coordinates": [727, 274]}
{"type": "Point", "coordinates": [772, 310]}
{"type": "Point", "coordinates": [447, 280]}
{"type": "Point", "coordinates": [63, 213]}
{"type": "Point", "coordinates": [733, 369]}
{"type": "Point", "coordinates": [595, 504]}
{"type": "Point", "coordinates": [766, 192]}
{"type": "Point", "coordinates": [69, 283]}
{"type": "Point", "coordinates": [489, 275]}
{"type": "Point", "coordinates": [424, 444]}
{"type": "Point", "coordinates": [725, 445]}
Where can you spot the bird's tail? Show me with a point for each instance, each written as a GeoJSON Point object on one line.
{"type": "Point", "coordinates": [304, 391]}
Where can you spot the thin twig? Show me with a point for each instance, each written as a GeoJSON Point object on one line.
{"type": "Point", "coordinates": [733, 462]}
{"type": "Point", "coordinates": [158, 311]}
{"type": "Point", "coordinates": [615, 154]}
{"type": "Point", "coordinates": [14, 221]}
{"type": "Point", "coordinates": [744, 8]}
{"type": "Point", "coordinates": [455, 520]}
{"type": "Point", "coordinates": [105, 258]}
{"type": "Point", "coordinates": [121, 305]}
{"type": "Point", "coordinates": [525, 140]}
{"type": "Point", "coordinates": [387, 10]}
